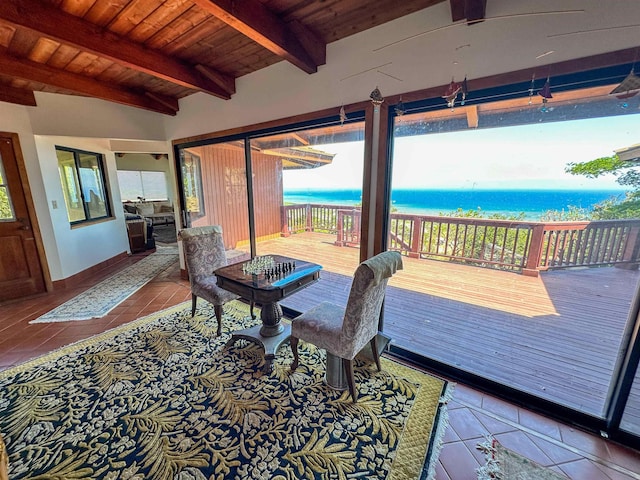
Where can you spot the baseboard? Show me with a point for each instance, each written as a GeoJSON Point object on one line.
{"type": "Point", "coordinates": [79, 277]}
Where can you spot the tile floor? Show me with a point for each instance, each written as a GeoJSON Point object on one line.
{"type": "Point", "coordinates": [472, 414]}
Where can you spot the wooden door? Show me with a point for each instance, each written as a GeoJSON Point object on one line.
{"type": "Point", "coordinates": [21, 272]}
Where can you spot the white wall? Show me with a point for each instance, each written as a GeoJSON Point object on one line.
{"type": "Point", "coordinates": [82, 246]}
{"type": "Point", "coordinates": [74, 116]}
{"type": "Point", "coordinates": [502, 43]}
{"type": "Point", "coordinates": [15, 119]}
{"type": "Point", "coordinates": [87, 124]}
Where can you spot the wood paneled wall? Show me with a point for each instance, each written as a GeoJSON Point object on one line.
{"type": "Point", "coordinates": [224, 185]}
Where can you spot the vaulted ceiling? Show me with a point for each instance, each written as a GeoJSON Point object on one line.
{"type": "Point", "coordinates": [150, 53]}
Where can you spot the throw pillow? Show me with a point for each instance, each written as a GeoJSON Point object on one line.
{"type": "Point", "coordinates": [145, 208]}
{"type": "Point", "coordinates": [166, 209]}
{"type": "Point", "coordinates": [130, 208]}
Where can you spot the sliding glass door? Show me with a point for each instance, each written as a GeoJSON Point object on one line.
{"type": "Point", "coordinates": [307, 198]}
{"type": "Point", "coordinates": [214, 192]}
{"type": "Point", "coordinates": [519, 267]}
{"type": "Point", "coordinates": [294, 192]}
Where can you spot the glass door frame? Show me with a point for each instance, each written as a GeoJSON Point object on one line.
{"type": "Point", "coordinates": [626, 368]}
{"type": "Point", "coordinates": [356, 114]}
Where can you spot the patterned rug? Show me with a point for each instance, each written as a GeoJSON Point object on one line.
{"type": "Point", "coordinates": [165, 233]}
{"type": "Point", "coordinates": [103, 297]}
{"type": "Point", "coordinates": [163, 398]}
{"type": "Point", "coordinates": [505, 464]}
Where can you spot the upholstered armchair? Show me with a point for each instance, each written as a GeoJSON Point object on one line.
{"type": "Point", "coordinates": [204, 253]}
{"type": "Point", "coordinates": [343, 332]}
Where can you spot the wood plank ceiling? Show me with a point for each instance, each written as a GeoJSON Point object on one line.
{"type": "Point", "coordinates": [150, 53]}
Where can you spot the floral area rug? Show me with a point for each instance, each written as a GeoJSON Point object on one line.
{"type": "Point", "coordinates": [505, 464]}
{"type": "Point", "coordinates": [164, 398]}
{"type": "Point", "coordinates": [103, 297]}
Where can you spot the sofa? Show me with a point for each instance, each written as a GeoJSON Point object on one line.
{"type": "Point", "coordinates": [156, 212]}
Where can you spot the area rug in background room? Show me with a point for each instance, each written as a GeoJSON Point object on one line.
{"type": "Point", "coordinates": [163, 398]}
{"type": "Point", "coordinates": [165, 233]}
{"type": "Point", "coordinates": [103, 297]}
{"type": "Point", "coordinates": [505, 464]}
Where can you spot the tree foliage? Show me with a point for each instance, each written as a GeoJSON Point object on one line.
{"type": "Point", "coordinates": [627, 175]}
{"type": "Point", "coordinates": [5, 207]}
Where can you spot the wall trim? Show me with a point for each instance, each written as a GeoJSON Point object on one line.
{"type": "Point", "coordinates": [74, 280]}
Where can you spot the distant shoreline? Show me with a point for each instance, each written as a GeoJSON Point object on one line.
{"type": "Point", "coordinates": [532, 203]}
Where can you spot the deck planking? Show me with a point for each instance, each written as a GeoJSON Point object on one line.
{"type": "Point", "coordinates": [556, 336]}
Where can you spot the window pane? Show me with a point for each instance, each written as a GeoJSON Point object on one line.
{"type": "Point", "coordinates": [146, 184]}
{"type": "Point", "coordinates": [631, 417]}
{"type": "Point", "coordinates": [70, 186]}
{"type": "Point", "coordinates": [90, 176]}
{"type": "Point", "coordinates": [529, 273]}
{"type": "Point", "coordinates": [6, 210]}
{"type": "Point", "coordinates": [154, 185]}
{"type": "Point", "coordinates": [225, 200]}
{"type": "Point", "coordinates": [192, 184]}
{"type": "Point", "coordinates": [82, 179]}
{"type": "Point", "coordinates": [307, 197]}
{"type": "Point", "coordinates": [130, 184]}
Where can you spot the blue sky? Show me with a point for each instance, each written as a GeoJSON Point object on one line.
{"type": "Point", "coordinates": [520, 157]}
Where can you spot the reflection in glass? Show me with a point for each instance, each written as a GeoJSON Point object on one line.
{"type": "Point", "coordinates": [6, 208]}
{"type": "Point", "coordinates": [631, 417]}
{"type": "Point", "coordinates": [92, 187]}
{"type": "Point", "coordinates": [70, 186]}
{"type": "Point", "coordinates": [307, 199]}
{"type": "Point", "coordinates": [83, 184]}
{"type": "Point", "coordinates": [214, 189]}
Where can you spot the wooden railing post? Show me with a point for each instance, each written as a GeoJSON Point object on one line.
{"type": "Point", "coordinates": [340, 229]}
{"type": "Point", "coordinates": [532, 266]}
{"type": "Point", "coordinates": [284, 220]}
{"type": "Point", "coordinates": [630, 254]}
{"type": "Point", "coordinates": [309, 218]}
{"type": "Point", "coordinates": [416, 235]}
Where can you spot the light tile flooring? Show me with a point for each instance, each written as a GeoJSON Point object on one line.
{"type": "Point", "coordinates": [472, 414]}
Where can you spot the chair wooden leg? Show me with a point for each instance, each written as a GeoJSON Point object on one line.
{"type": "Point", "coordinates": [218, 310]}
{"type": "Point", "coordinates": [374, 351]}
{"type": "Point", "coordinates": [194, 300]}
{"type": "Point", "coordinates": [294, 348]}
{"type": "Point", "coordinates": [253, 315]}
{"type": "Point", "coordinates": [348, 368]}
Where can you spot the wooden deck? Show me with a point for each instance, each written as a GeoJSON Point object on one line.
{"type": "Point", "coordinates": [556, 336]}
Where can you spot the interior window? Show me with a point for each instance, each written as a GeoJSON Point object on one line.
{"type": "Point", "coordinates": [83, 185]}
{"type": "Point", "coordinates": [136, 185]}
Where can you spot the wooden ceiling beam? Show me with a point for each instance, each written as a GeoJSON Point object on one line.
{"type": "Point", "coordinates": [291, 41]}
{"type": "Point", "coordinates": [62, 27]}
{"type": "Point", "coordinates": [21, 96]}
{"type": "Point", "coordinates": [224, 81]}
{"type": "Point", "coordinates": [473, 11]}
{"type": "Point", "coordinates": [42, 73]}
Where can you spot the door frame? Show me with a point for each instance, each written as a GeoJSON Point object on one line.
{"type": "Point", "coordinates": [14, 138]}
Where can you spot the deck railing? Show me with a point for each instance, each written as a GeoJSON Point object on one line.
{"type": "Point", "coordinates": [524, 246]}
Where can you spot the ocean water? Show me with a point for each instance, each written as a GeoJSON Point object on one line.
{"type": "Point", "coordinates": [532, 203]}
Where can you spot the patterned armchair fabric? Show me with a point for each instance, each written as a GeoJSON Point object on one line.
{"type": "Point", "coordinates": [204, 253]}
{"type": "Point", "coordinates": [345, 331]}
